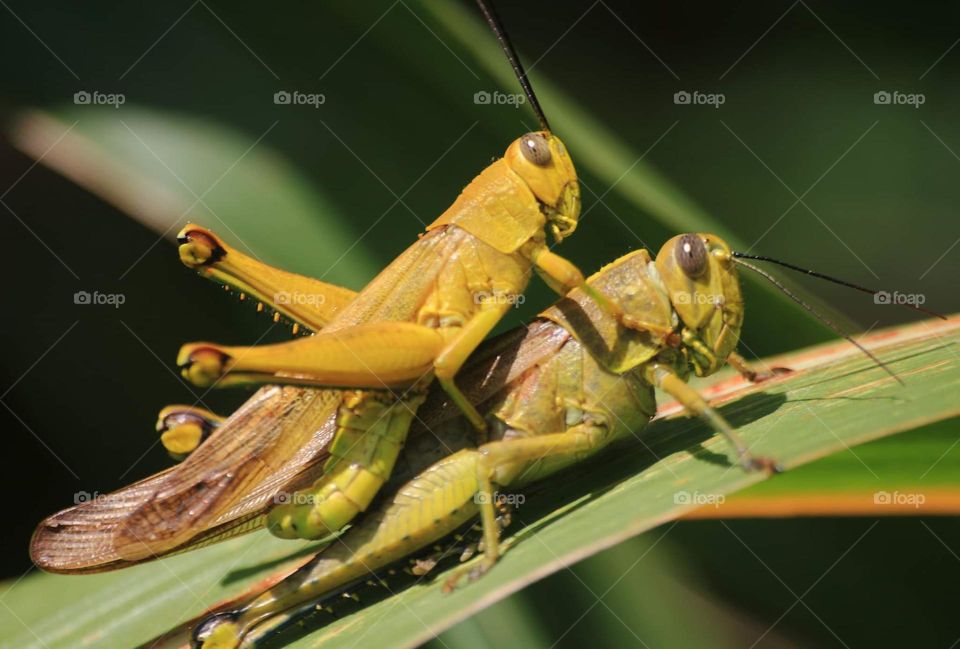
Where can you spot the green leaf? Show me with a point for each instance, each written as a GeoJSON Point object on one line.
{"type": "Point", "coordinates": [836, 400]}
{"type": "Point", "coordinates": [913, 474]}
{"type": "Point", "coordinates": [166, 169]}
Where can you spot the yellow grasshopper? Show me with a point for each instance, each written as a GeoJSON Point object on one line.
{"type": "Point", "coordinates": [419, 319]}
{"type": "Point", "coordinates": [568, 385]}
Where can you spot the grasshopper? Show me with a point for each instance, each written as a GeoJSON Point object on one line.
{"type": "Point", "coordinates": [419, 319]}
{"type": "Point", "coordinates": [577, 380]}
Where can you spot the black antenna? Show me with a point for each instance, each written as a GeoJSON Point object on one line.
{"type": "Point", "coordinates": [490, 14]}
{"type": "Point", "coordinates": [841, 282]}
{"type": "Point", "coordinates": [819, 317]}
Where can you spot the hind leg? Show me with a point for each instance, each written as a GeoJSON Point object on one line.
{"type": "Point", "coordinates": [435, 503]}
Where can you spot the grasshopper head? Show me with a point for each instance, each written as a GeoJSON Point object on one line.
{"type": "Point", "coordinates": [542, 162]}
{"type": "Point", "coordinates": [698, 272]}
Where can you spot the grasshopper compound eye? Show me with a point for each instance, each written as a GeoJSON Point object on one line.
{"type": "Point", "coordinates": [535, 149]}
{"type": "Point", "coordinates": [691, 255]}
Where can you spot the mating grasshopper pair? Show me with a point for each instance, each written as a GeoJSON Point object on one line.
{"type": "Point", "coordinates": [553, 393]}
{"type": "Point", "coordinates": [571, 383]}
{"type": "Point", "coordinates": [580, 377]}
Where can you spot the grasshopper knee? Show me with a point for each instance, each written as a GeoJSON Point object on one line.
{"type": "Point", "coordinates": [199, 247]}
{"type": "Point", "coordinates": [202, 365]}
{"type": "Point", "coordinates": [182, 428]}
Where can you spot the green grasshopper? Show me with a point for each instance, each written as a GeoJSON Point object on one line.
{"type": "Point", "coordinates": [575, 381]}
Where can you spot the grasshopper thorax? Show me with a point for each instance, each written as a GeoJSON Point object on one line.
{"type": "Point", "coordinates": [533, 188]}
{"type": "Point", "coordinates": [541, 161]}
{"type": "Point", "coordinates": [701, 281]}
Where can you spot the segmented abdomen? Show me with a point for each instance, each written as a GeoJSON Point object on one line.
{"type": "Point", "coordinates": [371, 430]}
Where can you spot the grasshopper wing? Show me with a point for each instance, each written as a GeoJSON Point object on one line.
{"type": "Point", "coordinates": [276, 441]}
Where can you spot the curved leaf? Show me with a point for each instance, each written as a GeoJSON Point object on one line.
{"type": "Point", "coordinates": [167, 169]}
{"type": "Point", "coordinates": [835, 400]}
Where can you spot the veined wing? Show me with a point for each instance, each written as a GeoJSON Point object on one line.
{"type": "Point", "coordinates": [276, 441]}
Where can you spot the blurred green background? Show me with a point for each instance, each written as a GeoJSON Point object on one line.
{"type": "Point", "coordinates": [798, 162]}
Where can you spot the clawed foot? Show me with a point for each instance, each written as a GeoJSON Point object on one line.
{"type": "Point", "coordinates": [760, 377]}
{"type": "Point", "coordinates": [471, 572]}
{"type": "Point", "coordinates": [752, 463]}
{"type": "Point", "coordinates": [504, 518]}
